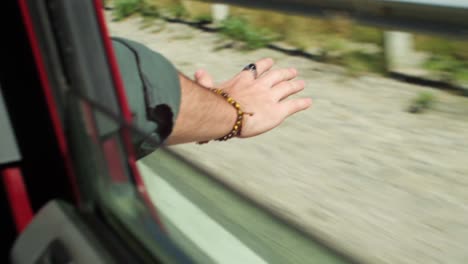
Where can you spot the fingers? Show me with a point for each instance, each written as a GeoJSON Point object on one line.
{"type": "Point", "coordinates": [293, 106]}
{"type": "Point", "coordinates": [285, 89]}
{"type": "Point", "coordinates": [203, 78]}
{"type": "Point", "coordinates": [262, 65]}
{"type": "Point", "coordinates": [274, 77]}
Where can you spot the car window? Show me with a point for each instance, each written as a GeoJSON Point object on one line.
{"type": "Point", "coordinates": [373, 172]}
{"type": "Point", "coordinates": [72, 51]}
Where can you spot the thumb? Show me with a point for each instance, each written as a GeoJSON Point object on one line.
{"type": "Point", "coordinates": [204, 78]}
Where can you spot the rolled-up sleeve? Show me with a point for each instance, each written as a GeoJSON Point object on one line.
{"type": "Point", "coordinates": [153, 93]}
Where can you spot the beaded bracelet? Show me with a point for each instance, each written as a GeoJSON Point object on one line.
{"type": "Point", "coordinates": [237, 128]}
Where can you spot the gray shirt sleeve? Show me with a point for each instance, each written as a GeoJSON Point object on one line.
{"type": "Point", "coordinates": [153, 92]}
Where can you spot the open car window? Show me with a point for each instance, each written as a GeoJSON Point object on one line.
{"type": "Point", "coordinates": [373, 173]}
{"type": "Point", "coordinates": [172, 223]}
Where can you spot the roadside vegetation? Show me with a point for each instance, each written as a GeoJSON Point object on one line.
{"type": "Point", "coordinates": [125, 8]}
{"type": "Point", "coordinates": [336, 40]}
{"type": "Point", "coordinates": [448, 68]}
{"type": "Point", "coordinates": [422, 102]}
{"type": "Point", "coordinates": [240, 29]}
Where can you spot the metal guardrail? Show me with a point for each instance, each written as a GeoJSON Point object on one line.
{"type": "Point", "coordinates": [435, 17]}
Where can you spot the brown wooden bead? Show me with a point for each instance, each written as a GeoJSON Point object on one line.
{"type": "Point", "coordinates": [236, 129]}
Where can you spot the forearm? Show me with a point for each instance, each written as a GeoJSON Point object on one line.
{"type": "Point", "coordinates": [203, 115]}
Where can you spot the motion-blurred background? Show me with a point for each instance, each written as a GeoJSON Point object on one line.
{"type": "Point", "coordinates": [376, 168]}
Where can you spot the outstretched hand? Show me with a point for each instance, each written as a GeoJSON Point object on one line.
{"type": "Point", "coordinates": [265, 96]}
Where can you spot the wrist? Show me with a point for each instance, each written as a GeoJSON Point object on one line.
{"type": "Point", "coordinates": [226, 116]}
{"type": "Point", "coordinates": [236, 128]}
{"type": "Point", "coordinates": [203, 115]}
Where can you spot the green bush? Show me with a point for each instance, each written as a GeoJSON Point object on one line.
{"type": "Point", "coordinates": [442, 46]}
{"type": "Point", "coordinates": [461, 75]}
{"type": "Point", "coordinates": [365, 62]}
{"type": "Point", "coordinates": [357, 62]}
{"type": "Point", "coordinates": [178, 11]}
{"type": "Point", "coordinates": [423, 101]}
{"type": "Point", "coordinates": [239, 29]}
{"type": "Point", "coordinates": [448, 67]}
{"type": "Point", "coordinates": [125, 8]}
{"type": "Point", "coordinates": [204, 18]}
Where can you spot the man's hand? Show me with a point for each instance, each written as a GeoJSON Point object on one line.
{"type": "Point", "coordinates": [205, 116]}
{"type": "Point", "coordinates": [264, 96]}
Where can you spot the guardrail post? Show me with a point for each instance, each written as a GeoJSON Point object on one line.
{"type": "Point", "coordinates": [219, 12]}
{"type": "Point", "coordinates": [398, 49]}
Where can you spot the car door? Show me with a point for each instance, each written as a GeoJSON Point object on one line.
{"type": "Point", "coordinates": [74, 142]}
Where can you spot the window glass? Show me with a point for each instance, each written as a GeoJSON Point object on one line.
{"type": "Point", "coordinates": [108, 184]}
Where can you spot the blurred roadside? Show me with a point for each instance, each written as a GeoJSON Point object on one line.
{"type": "Point", "coordinates": [337, 40]}
{"type": "Point", "coordinates": [358, 168]}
